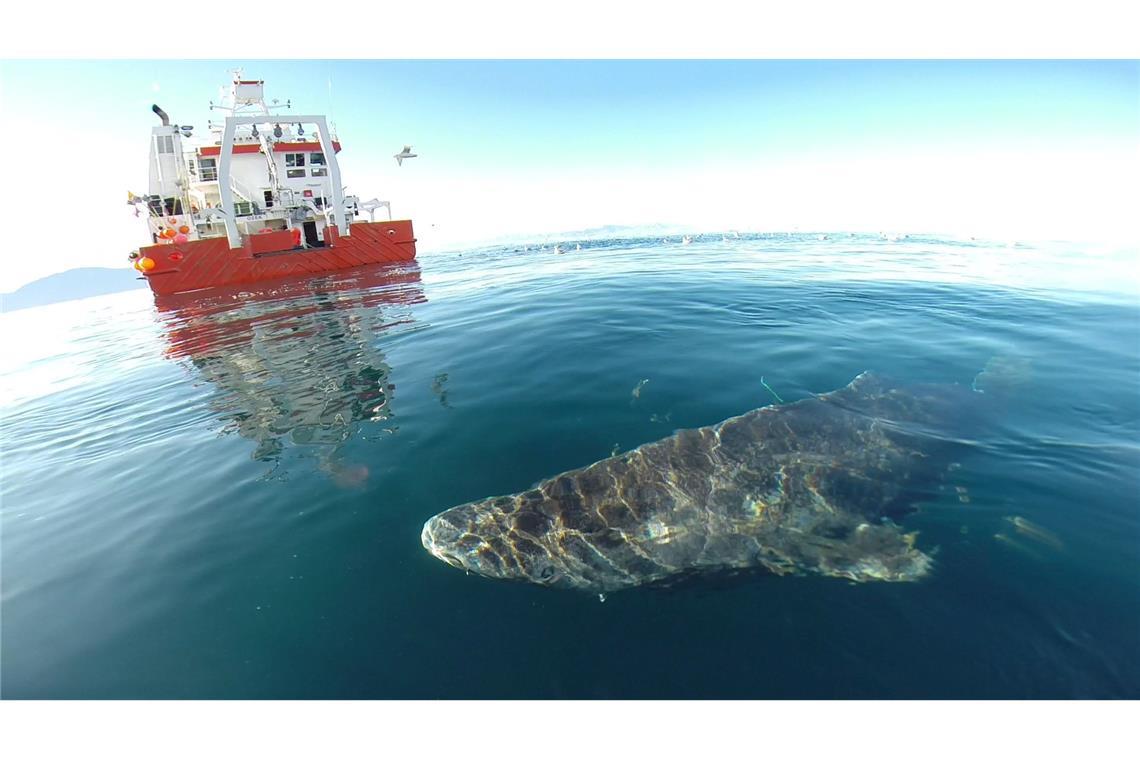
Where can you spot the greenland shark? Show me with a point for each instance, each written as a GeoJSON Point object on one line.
{"type": "Point", "coordinates": [810, 487]}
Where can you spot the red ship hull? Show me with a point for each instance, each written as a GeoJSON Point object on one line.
{"type": "Point", "coordinates": [198, 264]}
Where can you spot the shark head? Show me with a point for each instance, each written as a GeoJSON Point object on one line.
{"type": "Point", "coordinates": [481, 538]}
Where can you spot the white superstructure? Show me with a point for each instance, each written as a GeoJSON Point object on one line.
{"type": "Point", "coordinates": [261, 169]}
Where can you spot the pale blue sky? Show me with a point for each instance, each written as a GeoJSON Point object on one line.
{"type": "Point", "coordinates": [512, 147]}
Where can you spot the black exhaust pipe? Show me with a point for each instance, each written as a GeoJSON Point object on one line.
{"type": "Point", "coordinates": [162, 115]}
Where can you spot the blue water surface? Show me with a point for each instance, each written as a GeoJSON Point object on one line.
{"type": "Point", "coordinates": [221, 495]}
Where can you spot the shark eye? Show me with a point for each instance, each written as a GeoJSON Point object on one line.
{"type": "Point", "coordinates": [547, 573]}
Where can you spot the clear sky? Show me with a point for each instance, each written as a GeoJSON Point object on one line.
{"type": "Point", "coordinates": [1024, 150]}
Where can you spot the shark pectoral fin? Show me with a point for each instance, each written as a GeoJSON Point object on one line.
{"type": "Point", "coordinates": [871, 553]}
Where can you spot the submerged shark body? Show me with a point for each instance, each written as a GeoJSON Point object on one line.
{"type": "Point", "coordinates": [807, 487]}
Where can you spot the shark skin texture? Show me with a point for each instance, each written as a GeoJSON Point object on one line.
{"type": "Point", "coordinates": [811, 487]}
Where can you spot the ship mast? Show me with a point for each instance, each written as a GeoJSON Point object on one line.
{"type": "Point", "coordinates": [246, 98]}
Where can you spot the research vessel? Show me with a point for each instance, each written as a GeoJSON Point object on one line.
{"type": "Point", "coordinates": [261, 198]}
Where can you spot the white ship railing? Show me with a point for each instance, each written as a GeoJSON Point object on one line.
{"type": "Point", "coordinates": [243, 191]}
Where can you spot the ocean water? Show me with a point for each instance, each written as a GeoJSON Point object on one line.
{"type": "Point", "coordinates": [222, 497]}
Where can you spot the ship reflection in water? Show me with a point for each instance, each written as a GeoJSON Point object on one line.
{"type": "Point", "coordinates": [298, 364]}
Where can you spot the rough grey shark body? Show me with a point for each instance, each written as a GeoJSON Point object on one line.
{"type": "Point", "coordinates": [802, 487]}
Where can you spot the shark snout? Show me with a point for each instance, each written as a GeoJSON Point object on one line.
{"type": "Point", "coordinates": [441, 538]}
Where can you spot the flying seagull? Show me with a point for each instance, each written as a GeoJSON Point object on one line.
{"type": "Point", "coordinates": [405, 153]}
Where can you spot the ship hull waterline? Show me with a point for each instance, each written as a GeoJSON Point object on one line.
{"type": "Point", "coordinates": [200, 264]}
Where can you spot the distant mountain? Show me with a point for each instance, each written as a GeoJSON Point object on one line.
{"type": "Point", "coordinates": [70, 285]}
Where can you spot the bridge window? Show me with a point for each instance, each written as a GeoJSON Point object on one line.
{"type": "Point", "coordinates": [317, 159]}
{"type": "Point", "coordinates": [208, 169]}
{"type": "Point", "coordinates": [294, 173]}
{"type": "Point", "coordinates": [320, 171]}
{"type": "Point", "coordinates": [295, 159]}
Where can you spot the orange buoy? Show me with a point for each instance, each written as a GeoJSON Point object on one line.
{"type": "Point", "coordinates": [146, 263]}
{"type": "Point", "coordinates": [173, 220]}
{"type": "Point", "coordinates": [168, 233]}
{"type": "Point", "coordinates": [184, 229]}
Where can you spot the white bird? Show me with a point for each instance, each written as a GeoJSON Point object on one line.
{"type": "Point", "coordinates": [405, 153]}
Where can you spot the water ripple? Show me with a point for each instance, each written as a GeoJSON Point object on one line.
{"type": "Point", "coordinates": [221, 494]}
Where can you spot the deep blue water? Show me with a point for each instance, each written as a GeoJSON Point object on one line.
{"type": "Point", "coordinates": [223, 497]}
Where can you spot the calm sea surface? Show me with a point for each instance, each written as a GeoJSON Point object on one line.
{"type": "Point", "coordinates": [223, 497]}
